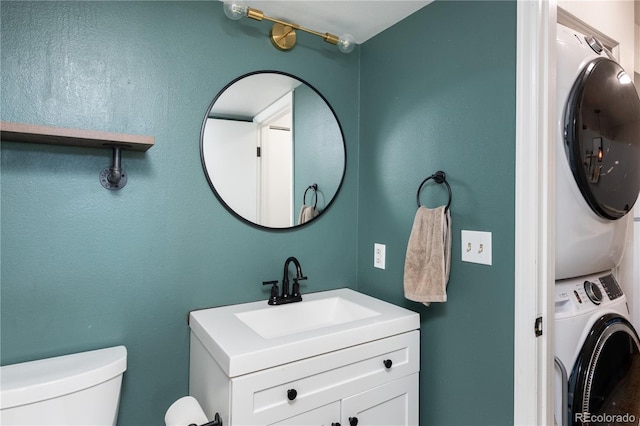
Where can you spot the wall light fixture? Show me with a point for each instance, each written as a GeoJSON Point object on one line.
{"type": "Point", "coordinates": [283, 34]}
{"type": "Point", "coordinates": [624, 78]}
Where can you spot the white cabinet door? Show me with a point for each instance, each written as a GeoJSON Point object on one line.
{"type": "Point", "coordinates": [327, 415]}
{"type": "Point", "coordinates": [392, 404]}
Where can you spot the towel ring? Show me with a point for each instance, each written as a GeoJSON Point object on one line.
{"type": "Point", "coordinates": [315, 192]}
{"type": "Point", "coordinates": [438, 177]}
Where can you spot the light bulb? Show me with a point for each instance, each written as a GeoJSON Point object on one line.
{"type": "Point", "coordinates": [234, 9]}
{"type": "Point", "coordinates": [346, 43]}
{"type": "Point", "coordinates": [624, 78]}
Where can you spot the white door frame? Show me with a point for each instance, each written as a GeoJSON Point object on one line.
{"type": "Point", "coordinates": [535, 207]}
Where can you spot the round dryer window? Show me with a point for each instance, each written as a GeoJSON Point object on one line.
{"type": "Point", "coordinates": [602, 138]}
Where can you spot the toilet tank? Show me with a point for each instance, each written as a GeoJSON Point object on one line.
{"type": "Point", "coordinates": [76, 389]}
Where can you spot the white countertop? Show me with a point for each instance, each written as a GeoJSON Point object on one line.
{"type": "Point", "coordinates": [239, 350]}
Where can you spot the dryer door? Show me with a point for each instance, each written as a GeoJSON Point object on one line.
{"type": "Point", "coordinates": [602, 138]}
{"type": "Point", "coordinates": [604, 387]}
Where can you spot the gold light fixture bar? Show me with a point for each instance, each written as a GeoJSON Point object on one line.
{"type": "Point", "coordinates": [283, 33]}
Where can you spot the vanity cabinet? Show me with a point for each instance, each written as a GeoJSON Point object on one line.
{"type": "Point", "coordinates": [372, 383]}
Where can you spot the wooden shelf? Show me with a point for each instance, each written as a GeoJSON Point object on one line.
{"type": "Point", "coordinates": [31, 133]}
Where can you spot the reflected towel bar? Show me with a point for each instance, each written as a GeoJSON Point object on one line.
{"type": "Point", "coordinates": [314, 187]}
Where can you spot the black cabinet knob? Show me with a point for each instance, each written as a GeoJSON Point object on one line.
{"type": "Point", "coordinates": [353, 421]}
{"type": "Point", "coordinates": [292, 394]}
{"type": "Point", "coordinates": [335, 424]}
{"type": "Point", "coordinates": [387, 363]}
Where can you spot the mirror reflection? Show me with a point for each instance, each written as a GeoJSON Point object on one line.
{"type": "Point", "coordinates": [272, 150]}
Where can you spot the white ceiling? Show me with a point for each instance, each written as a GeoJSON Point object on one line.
{"type": "Point", "coordinates": [362, 19]}
{"type": "Point", "coordinates": [262, 89]}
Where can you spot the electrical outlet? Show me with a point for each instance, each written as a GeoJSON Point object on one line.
{"type": "Point", "coordinates": [476, 247]}
{"type": "Point", "coordinates": [379, 255]}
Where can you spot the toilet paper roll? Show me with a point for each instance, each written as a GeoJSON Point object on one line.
{"type": "Point", "coordinates": [184, 412]}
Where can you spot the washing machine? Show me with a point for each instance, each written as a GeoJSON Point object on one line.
{"type": "Point", "coordinates": [597, 156]}
{"type": "Point", "coordinates": [599, 351]}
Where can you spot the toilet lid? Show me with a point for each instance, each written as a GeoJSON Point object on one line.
{"type": "Point", "coordinates": [43, 379]}
{"type": "Point", "coordinates": [602, 138]}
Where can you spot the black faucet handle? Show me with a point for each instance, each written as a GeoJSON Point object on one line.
{"type": "Point", "coordinates": [296, 287]}
{"type": "Point", "coordinates": [274, 291]}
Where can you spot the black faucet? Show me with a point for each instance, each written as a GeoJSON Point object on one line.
{"type": "Point", "coordinates": [287, 297]}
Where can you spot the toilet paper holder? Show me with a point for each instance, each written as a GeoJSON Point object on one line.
{"type": "Point", "coordinates": [217, 421]}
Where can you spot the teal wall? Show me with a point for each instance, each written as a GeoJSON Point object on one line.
{"type": "Point", "coordinates": [317, 149]}
{"type": "Point", "coordinates": [83, 267]}
{"type": "Point", "coordinates": [438, 93]}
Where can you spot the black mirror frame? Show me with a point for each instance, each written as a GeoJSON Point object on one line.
{"type": "Point", "coordinates": [212, 186]}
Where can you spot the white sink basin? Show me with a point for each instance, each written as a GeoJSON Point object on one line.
{"type": "Point", "coordinates": [253, 336]}
{"type": "Point", "coordinates": [303, 316]}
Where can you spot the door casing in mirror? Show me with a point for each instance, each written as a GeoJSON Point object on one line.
{"type": "Point", "coordinates": [266, 109]}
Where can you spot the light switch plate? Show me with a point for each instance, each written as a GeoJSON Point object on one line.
{"type": "Point", "coordinates": [476, 247]}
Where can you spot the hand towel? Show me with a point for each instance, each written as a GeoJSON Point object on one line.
{"type": "Point", "coordinates": [426, 266]}
{"type": "Point", "coordinates": [307, 213]}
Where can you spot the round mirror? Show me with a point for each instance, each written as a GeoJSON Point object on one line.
{"type": "Point", "coordinates": [272, 150]}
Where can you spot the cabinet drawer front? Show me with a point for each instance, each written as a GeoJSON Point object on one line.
{"type": "Point", "coordinates": [262, 397]}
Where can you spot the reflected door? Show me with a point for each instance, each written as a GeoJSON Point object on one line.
{"type": "Point", "coordinates": [276, 183]}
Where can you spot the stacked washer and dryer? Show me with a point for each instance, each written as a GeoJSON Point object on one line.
{"type": "Point", "coordinates": [597, 185]}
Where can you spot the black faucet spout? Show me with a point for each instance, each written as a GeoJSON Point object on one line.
{"type": "Point", "coordinates": [287, 297]}
{"type": "Point", "coordinates": [285, 279]}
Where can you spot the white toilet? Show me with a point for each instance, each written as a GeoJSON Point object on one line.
{"type": "Point", "coordinates": [76, 389]}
